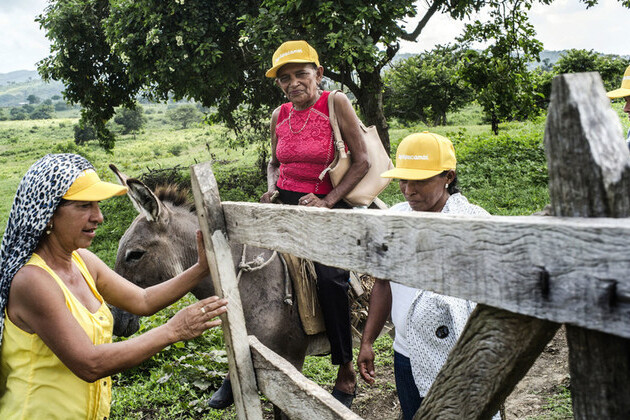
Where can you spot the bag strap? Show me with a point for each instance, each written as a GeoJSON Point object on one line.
{"type": "Point", "coordinates": [339, 144]}
{"type": "Point", "coordinates": [340, 147]}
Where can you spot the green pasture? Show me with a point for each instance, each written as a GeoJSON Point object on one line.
{"type": "Point", "coordinates": [506, 174]}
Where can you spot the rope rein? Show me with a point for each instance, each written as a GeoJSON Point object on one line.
{"type": "Point", "coordinates": [259, 263]}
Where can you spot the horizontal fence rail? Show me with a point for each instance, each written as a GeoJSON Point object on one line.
{"type": "Point", "coordinates": [565, 270]}
{"type": "Point", "coordinates": [297, 396]}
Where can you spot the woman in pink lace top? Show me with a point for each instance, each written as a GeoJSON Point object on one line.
{"type": "Point", "coordinates": [302, 147]}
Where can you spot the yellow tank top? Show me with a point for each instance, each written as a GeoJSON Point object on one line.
{"type": "Point", "coordinates": [35, 384]}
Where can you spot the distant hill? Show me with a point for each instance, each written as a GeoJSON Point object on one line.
{"type": "Point", "coordinates": [16, 86]}
{"type": "Point", "coordinates": [18, 76]}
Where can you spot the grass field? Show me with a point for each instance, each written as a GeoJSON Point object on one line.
{"type": "Point", "coordinates": [506, 174]}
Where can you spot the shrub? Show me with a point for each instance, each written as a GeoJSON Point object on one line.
{"type": "Point", "coordinates": [184, 115]}
{"type": "Point", "coordinates": [132, 120]}
{"type": "Point", "coordinates": [43, 112]}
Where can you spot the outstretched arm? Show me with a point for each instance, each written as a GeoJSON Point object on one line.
{"type": "Point", "coordinates": [380, 308]}
{"type": "Point", "coordinates": [125, 295]}
{"type": "Point", "coordinates": [37, 305]}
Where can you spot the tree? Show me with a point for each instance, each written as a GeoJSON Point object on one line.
{"type": "Point", "coordinates": [425, 87]}
{"type": "Point", "coordinates": [216, 52]}
{"type": "Point", "coordinates": [184, 115]}
{"type": "Point", "coordinates": [610, 67]}
{"type": "Point", "coordinates": [18, 113]}
{"type": "Point", "coordinates": [132, 120]}
{"type": "Point", "coordinates": [43, 112]}
{"type": "Point", "coordinates": [498, 75]}
{"type": "Point", "coordinates": [32, 99]}
{"type": "Point", "coordinates": [61, 106]}
{"type": "Point", "coordinates": [82, 58]}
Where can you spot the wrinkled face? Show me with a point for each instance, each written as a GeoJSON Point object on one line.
{"type": "Point", "coordinates": [427, 194]}
{"type": "Point", "coordinates": [75, 223]}
{"type": "Point", "coordinates": [299, 83]}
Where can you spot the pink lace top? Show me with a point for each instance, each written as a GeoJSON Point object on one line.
{"type": "Point", "coordinates": [305, 147]}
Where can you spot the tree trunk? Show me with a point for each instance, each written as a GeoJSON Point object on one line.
{"type": "Point", "coordinates": [370, 99]}
{"type": "Point", "coordinates": [494, 121]}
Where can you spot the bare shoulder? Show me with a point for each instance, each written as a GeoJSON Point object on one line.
{"type": "Point", "coordinates": [88, 257]}
{"type": "Point", "coordinates": [29, 277]}
{"type": "Point", "coordinates": [275, 114]}
{"type": "Point", "coordinates": [33, 290]}
{"type": "Point", "coordinates": [341, 99]}
{"type": "Point", "coordinates": [99, 271]}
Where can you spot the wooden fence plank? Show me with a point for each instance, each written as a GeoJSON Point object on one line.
{"type": "Point", "coordinates": [297, 396]}
{"type": "Point", "coordinates": [584, 133]}
{"type": "Point", "coordinates": [494, 352]}
{"type": "Point", "coordinates": [560, 270]}
{"type": "Point", "coordinates": [220, 260]}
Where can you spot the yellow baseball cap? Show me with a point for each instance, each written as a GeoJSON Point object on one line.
{"type": "Point", "coordinates": [421, 156]}
{"type": "Point", "coordinates": [89, 187]}
{"type": "Point", "coordinates": [292, 52]}
{"type": "Point", "coordinates": [624, 90]}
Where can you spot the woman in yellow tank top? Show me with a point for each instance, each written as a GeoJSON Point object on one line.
{"type": "Point", "coordinates": [57, 354]}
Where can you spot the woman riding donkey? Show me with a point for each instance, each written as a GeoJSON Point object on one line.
{"type": "Point", "coordinates": [302, 146]}
{"type": "Point", "coordinates": [57, 352]}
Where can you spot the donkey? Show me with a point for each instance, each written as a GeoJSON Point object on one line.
{"type": "Point", "coordinates": [160, 243]}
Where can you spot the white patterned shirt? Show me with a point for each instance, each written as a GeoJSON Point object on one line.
{"type": "Point", "coordinates": [428, 324]}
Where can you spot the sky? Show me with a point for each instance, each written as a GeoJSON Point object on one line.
{"type": "Point", "coordinates": [563, 25]}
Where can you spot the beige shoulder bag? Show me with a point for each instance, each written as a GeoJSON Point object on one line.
{"type": "Point", "coordinates": [371, 185]}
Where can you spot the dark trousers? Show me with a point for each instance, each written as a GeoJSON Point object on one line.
{"type": "Point", "coordinates": [332, 291]}
{"type": "Point", "coordinates": [408, 394]}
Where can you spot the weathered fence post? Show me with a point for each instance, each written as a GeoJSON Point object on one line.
{"type": "Point", "coordinates": [223, 275]}
{"type": "Point", "coordinates": [589, 176]}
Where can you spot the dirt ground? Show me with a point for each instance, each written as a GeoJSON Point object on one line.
{"type": "Point", "coordinates": [528, 399]}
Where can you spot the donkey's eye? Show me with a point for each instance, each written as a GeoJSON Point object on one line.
{"type": "Point", "coordinates": [134, 255]}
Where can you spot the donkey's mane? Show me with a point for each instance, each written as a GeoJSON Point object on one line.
{"type": "Point", "coordinates": [176, 195]}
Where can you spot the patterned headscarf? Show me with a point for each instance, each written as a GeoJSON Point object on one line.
{"type": "Point", "coordinates": [36, 199]}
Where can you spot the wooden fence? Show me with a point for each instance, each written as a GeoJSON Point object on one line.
{"type": "Point", "coordinates": [528, 274]}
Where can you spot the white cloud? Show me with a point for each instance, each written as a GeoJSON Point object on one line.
{"type": "Point", "coordinates": [568, 24]}
{"type": "Point", "coordinates": [22, 43]}
{"type": "Point", "coordinates": [562, 25]}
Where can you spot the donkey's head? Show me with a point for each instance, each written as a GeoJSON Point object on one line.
{"type": "Point", "coordinates": [159, 244]}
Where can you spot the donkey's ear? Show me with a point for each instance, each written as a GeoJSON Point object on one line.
{"type": "Point", "coordinates": [146, 202]}
{"type": "Point", "coordinates": [122, 178]}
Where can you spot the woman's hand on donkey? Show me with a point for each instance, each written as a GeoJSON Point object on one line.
{"type": "Point", "coordinates": [202, 259]}
{"type": "Point", "coordinates": [193, 320]}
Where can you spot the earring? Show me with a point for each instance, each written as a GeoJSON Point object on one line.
{"type": "Point", "coordinates": [49, 228]}
{"type": "Point", "coordinates": [446, 186]}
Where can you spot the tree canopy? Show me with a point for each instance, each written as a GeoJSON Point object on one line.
{"type": "Point", "coordinates": [426, 86]}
